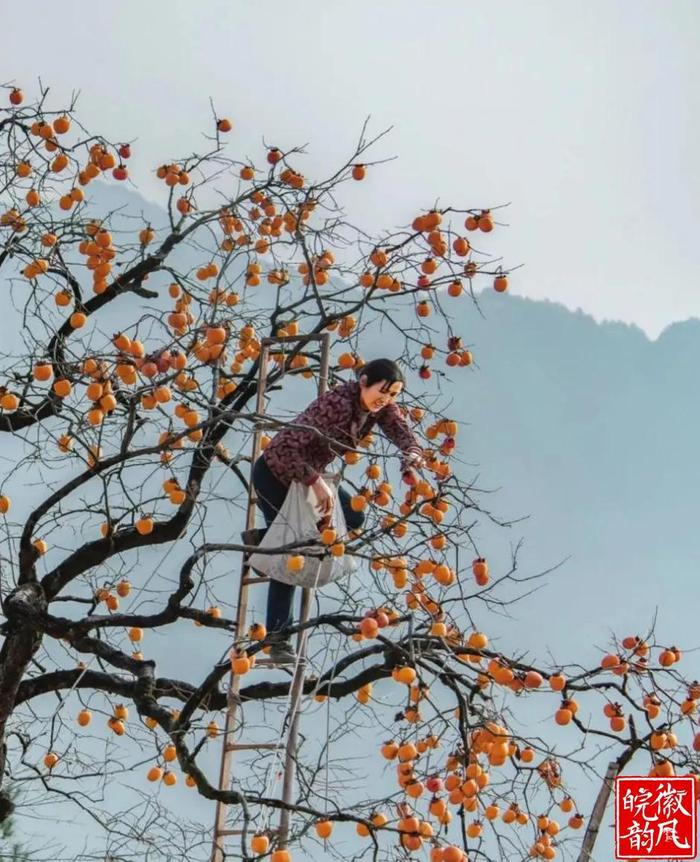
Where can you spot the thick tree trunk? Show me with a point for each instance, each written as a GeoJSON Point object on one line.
{"type": "Point", "coordinates": [22, 639]}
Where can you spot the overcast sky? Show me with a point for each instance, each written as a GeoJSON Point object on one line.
{"type": "Point", "coordinates": [585, 117]}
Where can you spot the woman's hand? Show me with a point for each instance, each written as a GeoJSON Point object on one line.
{"type": "Point", "coordinates": [415, 460]}
{"type": "Point", "coordinates": [324, 497]}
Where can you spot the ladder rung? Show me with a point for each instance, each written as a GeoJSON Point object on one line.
{"type": "Point", "coordinates": [282, 339]}
{"type": "Point", "coordinates": [268, 662]}
{"type": "Point", "coordinates": [223, 833]}
{"type": "Point", "coordinates": [253, 746]}
{"type": "Point", "coordinates": [258, 579]}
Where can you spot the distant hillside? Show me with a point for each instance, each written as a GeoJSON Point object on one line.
{"type": "Point", "coordinates": [592, 429]}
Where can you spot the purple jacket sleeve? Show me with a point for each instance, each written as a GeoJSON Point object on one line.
{"type": "Point", "coordinates": [397, 430]}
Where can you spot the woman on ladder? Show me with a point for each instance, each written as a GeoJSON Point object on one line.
{"type": "Point", "coordinates": [332, 424]}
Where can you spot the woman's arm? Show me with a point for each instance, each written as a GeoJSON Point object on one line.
{"type": "Point", "coordinates": [393, 424]}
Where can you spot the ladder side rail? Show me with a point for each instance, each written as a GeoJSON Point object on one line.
{"type": "Point", "coordinates": [298, 681]}
{"type": "Point", "coordinates": [241, 612]}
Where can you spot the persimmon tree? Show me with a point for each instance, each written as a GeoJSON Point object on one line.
{"type": "Point", "coordinates": [129, 400]}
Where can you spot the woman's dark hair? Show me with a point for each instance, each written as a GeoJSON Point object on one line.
{"type": "Point", "coordinates": [381, 369]}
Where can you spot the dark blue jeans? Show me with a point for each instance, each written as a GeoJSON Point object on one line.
{"type": "Point", "coordinates": [271, 494]}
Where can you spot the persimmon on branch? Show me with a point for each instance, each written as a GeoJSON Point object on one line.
{"type": "Point", "coordinates": [118, 434]}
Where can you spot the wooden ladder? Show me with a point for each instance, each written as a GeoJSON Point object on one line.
{"type": "Point", "coordinates": [291, 720]}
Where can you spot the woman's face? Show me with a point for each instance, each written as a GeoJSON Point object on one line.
{"type": "Point", "coordinates": [379, 394]}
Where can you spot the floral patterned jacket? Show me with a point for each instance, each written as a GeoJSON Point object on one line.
{"type": "Point", "coordinates": [328, 427]}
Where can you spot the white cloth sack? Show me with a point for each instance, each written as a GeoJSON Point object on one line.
{"type": "Point", "coordinates": [296, 522]}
